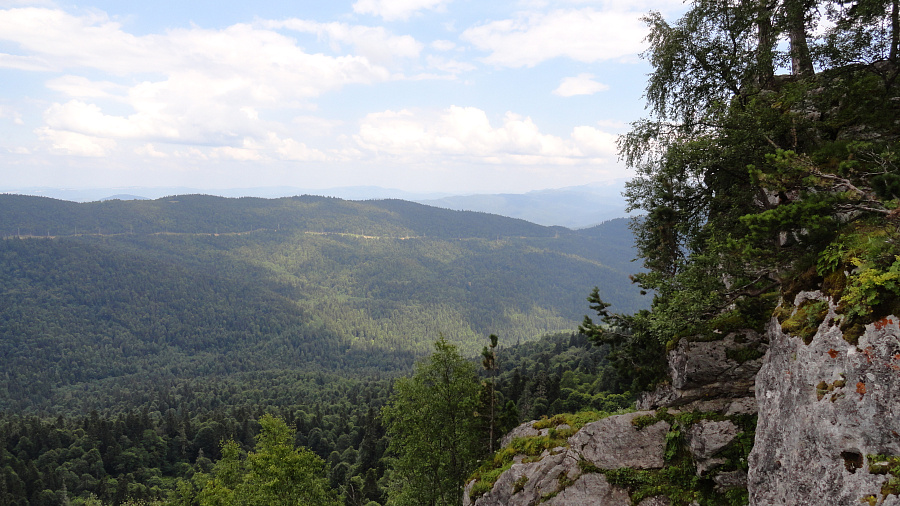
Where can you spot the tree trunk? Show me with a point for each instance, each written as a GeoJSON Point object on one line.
{"type": "Point", "coordinates": [765, 67]}
{"type": "Point", "coordinates": [795, 17]}
{"type": "Point", "coordinates": [895, 29]}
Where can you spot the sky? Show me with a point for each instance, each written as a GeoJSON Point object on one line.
{"type": "Point", "coordinates": [457, 96]}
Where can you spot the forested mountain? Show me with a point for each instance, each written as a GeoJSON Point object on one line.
{"type": "Point", "coordinates": [151, 293]}
{"type": "Point", "coordinates": [157, 443]}
{"type": "Point", "coordinates": [574, 207]}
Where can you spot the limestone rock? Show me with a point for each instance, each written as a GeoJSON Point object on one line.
{"type": "Point", "coordinates": [591, 490]}
{"type": "Point", "coordinates": [615, 442]}
{"type": "Point", "coordinates": [527, 430]}
{"type": "Point", "coordinates": [557, 479]}
{"type": "Point", "coordinates": [705, 378]}
{"type": "Point", "coordinates": [823, 408]}
{"type": "Point", "coordinates": [706, 438]}
{"type": "Point", "coordinates": [527, 484]}
{"type": "Point", "coordinates": [699, 364]}
{"type": "Point", "coordinates": [730, 480]}
{"type": "Point", "coordinates": [523, 430]}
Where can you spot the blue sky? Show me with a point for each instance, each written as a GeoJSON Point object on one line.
{"type": "Point", "coordinates": [459, 96]}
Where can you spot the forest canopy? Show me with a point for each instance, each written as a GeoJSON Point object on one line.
{"type": "Point", "coordinates": [768, 165]}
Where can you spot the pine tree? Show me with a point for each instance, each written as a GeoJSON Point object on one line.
{"type": "Point", "coordinates": [489, 363]}
{"type": "Point", "coordinates": [433, 428]}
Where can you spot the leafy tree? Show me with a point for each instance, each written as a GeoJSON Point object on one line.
{"type": "Point", "coordinates": [275, 473]}
{"type": "Point", "coordinates": [754, 186]}
{"type": "Point", "coordinates": [433, 429]}
{"type": "Point", "coordinates": [637, 354]}
{"type": "Point", "coordinates": [489, 363]}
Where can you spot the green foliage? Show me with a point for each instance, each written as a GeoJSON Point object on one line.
{"type": "Point", "coordinates": [151, 453]}
{"type": "Point", "coordinates": [806, 320]}
{"type": "Point", "coordinates": [678, 480]}
{"type": "Point", "coordinates": [861, 269]}
{"type": "Point", "coordinates": [636, 350]}
{"type": "Point", "coordinates": [147, 455]}
{"type": "Point", "coordinates": [867, 289]}
{"type": "Point", "coordinates": [532, 447]}
{"type": "Point", "coordinates": [432, 424]}
{"type": "Point", "coordinates": [275, 473]}
{"type": "Point", "coordinates": [755, 185]}
{"type": "Point", "coordinates": [188, 287]}
{"type": "Point", "coordinates": [888, 465]}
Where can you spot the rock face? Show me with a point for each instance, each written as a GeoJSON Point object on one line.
{"type": "Point", "coordinates": [558, 479]}
{"type": "Point", "coordinates": [706, 377]}
{"type": "Point", "coordinates": [707, 438]}
{"type": "Point", "coordinates": [828, 416]}
{"type": "Point", "coordinates": [824, 409]}
{"type": "Point", "coordinates": [614, 442]}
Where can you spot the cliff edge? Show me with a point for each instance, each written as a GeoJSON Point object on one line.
{"type": "Point", "coordinates": [782, 417]}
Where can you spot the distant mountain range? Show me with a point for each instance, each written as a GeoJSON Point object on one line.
{"type": "Point", "coordinates": [193, 286]}
{"type": "Point", "coordinates": [571, 207]}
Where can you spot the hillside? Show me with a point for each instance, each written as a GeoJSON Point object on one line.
{"type": "Point", "coordinates": [771, 240]}
{"type": "Point", "coordinates": [198, 286]}
{"type": "Point", "coordinates": [573, 207]}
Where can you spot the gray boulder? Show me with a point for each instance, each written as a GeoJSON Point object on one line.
{"type": "Point", "coordinates": [706, 438]}
{"type": "Point", "coordinates": [824, 408]}
{"type": "Point", "coordinates": [614, 442]}
{"type": "Point", "coordinates": [705, 375]}
{"type": "Point", "coordinates": [557, 478]}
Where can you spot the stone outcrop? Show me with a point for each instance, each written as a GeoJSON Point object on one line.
{"type": "Point", "coordinates": [706, 438]}
{"type": "Point", "coordinates": [825, 409]}
{"type": "Point", "coordinates": [710, 376]}
{"type": "Point", "coordinates": [828, 429]}
{"type": "Point", "coordinates": [558, 476]}
{"type": "Point", "coordinates": [614, 442]}
{"type": "Point", "coordinates": [527, 430]}
{"type": "Point", "coordinates": [707, 376]}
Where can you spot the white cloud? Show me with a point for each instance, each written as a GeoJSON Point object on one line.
{"type": "Point", "coordinates": [393, 10]}
{"type": "Point", "coordinates": [594, 142]}
{"type": "Point", "coordinates": [6, 112]}
{"type": "Point", "coordinates": [448, 65]}
{"type": "Point", "coordinates": [73, 143]}
{"type": "Point", "coordinates": [289, 149]}
{"type": "Point", "coordinates": [149, 150]}
{"type": "Point", "coordinates": [57, 40]}
{"type": "Point", "coordinates": [89, 119]}
{"type": "Point", "coordinates": [268, 66]}
{"type": "Point", "coordinates": [82, 87]}
{"type": "Point", "coordinates": [27, 63]}
{"type": "Point", "coordinates": [466, 133]}
{"type": "Point", "coordinates": [583, 84]}
{"type": "Point", "coordinates": [191, 153]}
{"type": "Point", "coordinates": [375, 43]}
{"type": "Point", "coordinates": [443, 45]}
{"type": "Point", "coordinates": [586, 35]}
{"type": "Point", "coordinates": [238, 154]}
{"type": "Point", "coordinates": [16, 3]}
{"type": "Point", "coordinates": [187, 86]}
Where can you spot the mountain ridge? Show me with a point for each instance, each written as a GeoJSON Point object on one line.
{"type": "Point", "coordinates": [571, 207]}
{"type": "Point", "coordinates": [194, 285]}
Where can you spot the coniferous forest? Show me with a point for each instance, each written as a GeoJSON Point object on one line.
{"type": "Point", "coordinates": [195, 350]}
{"type": "Point", "coordinates": [138, 337]}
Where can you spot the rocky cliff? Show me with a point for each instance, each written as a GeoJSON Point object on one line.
{"type": "Point", "coordinates": [771, 418]}
{"type": "Point", "coordinates": [829, 415]}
